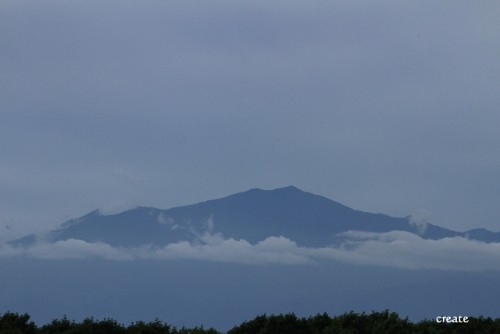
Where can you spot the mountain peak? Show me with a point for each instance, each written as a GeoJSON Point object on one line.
{"type": "Point", "coordinates": [275, 190]}
{"type": "Point", "coordinates": [252, 215]}
{"type": "Point", "coordinates": [288, 188]}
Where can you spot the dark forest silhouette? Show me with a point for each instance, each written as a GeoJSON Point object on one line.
{"type": "Point", "coordinates": [384, 322]}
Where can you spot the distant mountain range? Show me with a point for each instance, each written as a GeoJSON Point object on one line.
{"type": "Point", "coordinates": [253, 215]}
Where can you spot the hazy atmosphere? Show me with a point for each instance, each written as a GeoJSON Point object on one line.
{"type": "Point", "coordinates": [385, 107]}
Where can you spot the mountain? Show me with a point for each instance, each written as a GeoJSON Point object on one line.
{"type": "Point", "coordinates": [414, 277]}
{"type": "Point", "coordinates": [253, 215]}
{"type": "Point", "coordinates": [482, 235]}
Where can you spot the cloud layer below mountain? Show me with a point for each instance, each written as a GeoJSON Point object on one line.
{"type": "Point", "coordinates": [393, 249]}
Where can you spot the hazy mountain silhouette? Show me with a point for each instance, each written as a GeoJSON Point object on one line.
{"type": "Point", "coordinates": [221, 294]}
{"type": "Point", "coordinates": [253, 215]}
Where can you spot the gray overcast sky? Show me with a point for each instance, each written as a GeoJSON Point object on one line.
{"type": "Point", "coordinates": [386, 106]}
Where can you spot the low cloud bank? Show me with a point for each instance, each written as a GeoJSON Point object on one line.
{"type": "Point", "coordinates": [393, 249]}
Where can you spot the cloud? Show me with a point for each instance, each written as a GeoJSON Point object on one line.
{"type": "Point", "coordinates": [9, 251]}
{"type": "Point", "coordinates": [419, 220]}
{"type": "Point", "coordinates": [272, 250]}
{"type": "Point", "coordinates": [406, 250]}
{"type": "Point", "coordinates": [76, 249]}
{"type": "Point", "coordinates": [68, 249]}
{"type": "Point", "coordinates": [393, 249]}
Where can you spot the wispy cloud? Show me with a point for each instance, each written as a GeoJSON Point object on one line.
{"type": "Point", "coordinates": [407, 250]}
{"type": "Point", "coordinates": [392, 249]}
{"type": "Point", "coordinates": [68, 249]}
{"type": "Point", "coordinates": [273, 250]}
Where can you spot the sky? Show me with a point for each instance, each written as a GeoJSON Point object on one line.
{"type": "Point", "coordinates": [384, 106]}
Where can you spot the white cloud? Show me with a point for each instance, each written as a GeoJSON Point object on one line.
{"type": "Point", "coordinates": [393, 249]}
{"type": "Point", "coordinates": [420, 220]}
{"type": "Point", "coordinates": [407, 250]}
{"type": "Point", "coordinates": [68, 249]}
{"type": "Point", "coordinates": [272, 250]}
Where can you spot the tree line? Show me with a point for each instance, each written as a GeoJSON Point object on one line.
{"type": "Point", "coordinates": [384, 322]}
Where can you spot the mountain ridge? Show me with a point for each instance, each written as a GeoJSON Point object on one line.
{"type": "Point", "coordinates": [253, 215]}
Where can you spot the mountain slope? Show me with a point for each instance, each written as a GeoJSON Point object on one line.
{"type": "Point", "coordinates": [308, 219]}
